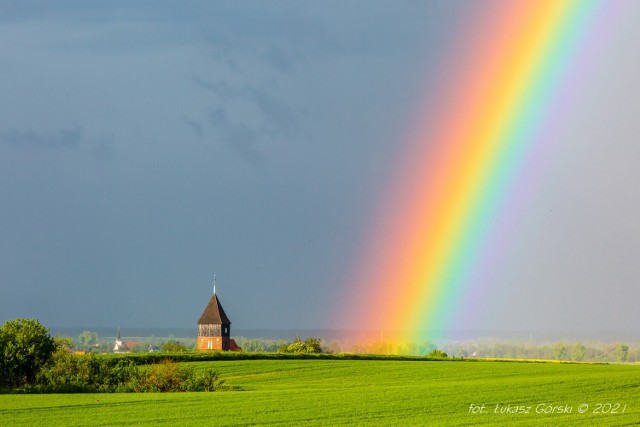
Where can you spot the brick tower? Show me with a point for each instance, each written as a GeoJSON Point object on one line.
{"type": "Point", "coordinates": [214, 327]}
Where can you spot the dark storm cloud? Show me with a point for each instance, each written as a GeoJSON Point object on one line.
{"type": "Point", "coordinates": [239, 137]}
{"type": "Point", "coordinates": [104, 149]}
{"type": "Point", "coordinates": [272, 118]}
{"type": "Point", "coordinates": [278, 114]}
{"type": "Point", "coordinates": [196, 126]}
{"type": "Point", "coordinates": [30, 139]}
{"type": "Point", "coordinates": [279, 59]}
{"type": "Point", "coordinates": [223, 51]}
{"type": "Point", "coordinates": [218, 117]}
{"type": "Point", "coordinates": [243, 141]}
{"type": "Point", "coordinates": [222, 89]}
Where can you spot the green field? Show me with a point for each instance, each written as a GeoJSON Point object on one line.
{"type": "Point", "coordinates": [358, 392]}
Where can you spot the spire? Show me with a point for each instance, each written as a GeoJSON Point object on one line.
{"type": "Point", "coordinates": [214, 284]}
{"type": "Point", "coordinates": [213, 313]}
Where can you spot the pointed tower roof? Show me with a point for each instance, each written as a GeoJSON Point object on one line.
{"type": "Point", "coordinates": [214, 314]}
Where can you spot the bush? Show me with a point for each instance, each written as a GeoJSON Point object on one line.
{"type": "Point", "coordinates": [88, 373]}
{"type": "Point", "coordinates": [437, 354]}
{"type": "Point", "coordinates": [170, 376]}
{"type": "Point", "coordinates": [310, 345]}
{"type": "Point", "coordinates": [173, 346]}
{"type": "Point", "coordinates": [166, 376]}
{"type": "Point", "coordinates": [313, 345]}
{"type": "Point", "coordinates": [207, 380]}
{"type": "Point", "coordinates": [25, 348]}
{"type": "Point", "coordinates": [259, 344]}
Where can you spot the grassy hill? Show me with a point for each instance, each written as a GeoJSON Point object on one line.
{"type": "Point", "coordinates": [360, 392]}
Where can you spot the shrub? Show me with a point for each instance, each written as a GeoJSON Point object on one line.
{"type": "Point", "coordinates": [437, 354]}
{"type": "Point", "coordinates": [260, 344]}
{"type": "Point", "coordinates": [173, 346]}
{"type": "Point", "coordinates": [88, 373]}
{"type": "Point", "coordinates": [166, 376]}
{"type": "Point", "coordinates": [297, 347]}
{"type": "Point", "coordinates": [25, 348]}
{"type": "Point", "coordinates": [310, 345]}
{"type": "Point", "coordinates": [170, 376]}
{"type": "Point", "coordinates": [313, 345]}
{"type": "Point", "coordinates": [207, 380]}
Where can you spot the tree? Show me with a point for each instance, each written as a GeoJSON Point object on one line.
{"type": "Point", "coordinates": [578, 352]}
{"type": "Point", "coordinates": [25, 348]}
{"type": "Point", "coordinates": [437, 354]}
{"type": "Point", "coordinates": [310, 345]}
{"type": "Point", "coordinates": [313, 345]}
{"type": "Point", "coordinates": [174, 346]}
{"type": "Point", "coordinates": [560, 352]}
{"type": "Point", "coordinates": [297, 346]}
{"type": "Point", "coordinates": [86, 340]}
{"type": "Point", "coordinates": [622, 351]}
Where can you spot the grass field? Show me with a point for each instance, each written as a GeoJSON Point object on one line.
{"type": "Point", "coordinates": [359, 392]}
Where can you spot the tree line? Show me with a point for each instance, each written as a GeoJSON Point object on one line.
{"type": "Point", "coordinates": [90, 342]}
{"type": "Point", "coordinates": [33, 361]}
{"type": "Point", "coordinates": [565, 350]}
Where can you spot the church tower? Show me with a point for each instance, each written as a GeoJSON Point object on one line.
{"type": "Point", "coordinates": [214, 327]}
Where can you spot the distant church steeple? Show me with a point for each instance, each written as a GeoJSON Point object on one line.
{"type": "Point", "coordinates": [119, 345]}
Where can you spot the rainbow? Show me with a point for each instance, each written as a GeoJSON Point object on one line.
{"type": "Point", "coordinates": [467, 165]}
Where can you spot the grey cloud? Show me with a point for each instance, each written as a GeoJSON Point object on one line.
{"type": "Point", "coordinates": [279, 59]}
{"type": "Point", "coordinates": [278, 113]}
{"type": "Point", "coordinates": [196, 126]}
{"type": "Point", "coordinates": [239, 137]}
{"type": "Point", "coordinates": [279, 116]}
{"type": "Point", "coordinates": [273, 118]}
{"type": "Point", "coordinates": [243, 141]}
{"type": "Point", "coordinates": [28, 138]}
{"type": "Point", "coordinates": [104, 150]}
{"type": "Point", "coordinates": [218, 117]}
{"type": "Point", "coordinates": [221, 88]}
{"type": "Point", "coordinates": [223, 51]}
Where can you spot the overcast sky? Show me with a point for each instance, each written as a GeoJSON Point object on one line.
{"type": "Point", "coordinates": [145, 146]}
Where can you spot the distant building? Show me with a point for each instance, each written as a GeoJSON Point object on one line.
{"type": "Point", "coordinates": [120, 346]}
{"type": "Point", "coordinates": [132, 345]}
{"type": "Point", "coordinates": [214, 328]}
